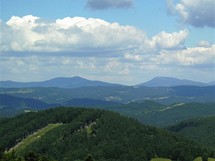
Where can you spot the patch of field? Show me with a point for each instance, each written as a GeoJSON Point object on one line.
{"type": "Point", "coordinates": [31, 138]}
{"type": "Point", "coordinates": [176, 105]}
{"type": "Point", "coordinates": [160, 159]}
{"type": "Point", "coordinates": [198, 159]}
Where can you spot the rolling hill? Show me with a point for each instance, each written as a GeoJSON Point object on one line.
{"type": "Point", "coordinates": [67, 134]}
{"type": "Point", "coordinates": [201, 130]}
{"type": "Point", "coordinates": [87, 102]}
{"type": "Point", "coordinates": [11, 105]}
{"type": "Point", "coordinates": [120, 94]}
{"type": "Point", "coordinates": [147, 112]}
{"type": "Point", "coordinates": [156, 114]}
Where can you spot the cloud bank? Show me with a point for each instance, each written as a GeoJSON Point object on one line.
{"type": "Point", "coordinates": [106, 4]}
{"type": "Point", "coordinates": [78, 35]}
{"type": "Point", "coordinates": [30, 33]}
{"type": "Point", "coordinates": [92, 47]}
{"type": "Point", "coordinates": [197, 13]}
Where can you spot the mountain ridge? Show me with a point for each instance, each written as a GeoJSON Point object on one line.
{"type": "Point", "coordinates": [171, 82]}
{"type": "Point", "coordinates": [60, 82]}
{"type": "Point", "coordinates": [77, 82]}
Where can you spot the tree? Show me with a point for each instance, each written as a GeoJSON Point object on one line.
{"type": "Point", "coordinates": [31, 156]}
{"type": "Point", "coordinates": [204, 157]}
{"type": "Point", "coordinates": [1, 153]}
{"type": "Point", "coordinates": [89, 158]}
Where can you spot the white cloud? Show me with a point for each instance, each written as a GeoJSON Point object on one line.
{"type": "Point", "coordinates": [31, 33]}
{"type": "Point", "coordinates": [95, 48]}
{"type": "Point", "coordinates": [27, 21]}
{"type": "Point", "coordinates": [204, 43]}
{"type": "Point", "coordinates": [169, 40]}
{"type": "Point", "coordinates": [105, 4]}
{"type": "Point", "coordinates": [128, 69]}
{"type": "Point", "coordinates": [133, 57]}
{"type": "Point", "coordinates": [18, 35]}
{"type": "Point", "coordinates": [189, 57]}
{"type": "Point", "coordinates": [197, 13]}
{"type": "Point", "coordinates": [80, 36]}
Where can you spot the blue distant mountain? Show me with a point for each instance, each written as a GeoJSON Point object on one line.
{"type": "Point", "coordinates": [61, 82]}
{"type": "Point", "coordinates": [171, 82]}
{"type": "Point", "coordinates": [76, 82]}
{"type": "Point", "coordinates": [12, 105]}
{"type": "Point", "coordinates": [211, 83]}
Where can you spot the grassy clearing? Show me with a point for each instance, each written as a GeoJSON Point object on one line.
{"type": "Point", "coordinates": [31, 138]}
{"type": "Point", "coordinates": [160, 159]}
{"type": "Point", "coordinates": [198, 159]}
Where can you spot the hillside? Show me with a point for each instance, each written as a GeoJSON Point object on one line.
{"type": "Point", "coordinates": [87, 102]}
{"type": "Point", "coordinates": [120, 94]}
{"type": "Point", "coordinates": [201, 130]}
{"type": "Point", "coordinates": [147, 112]}
{"type": "Point", "coordinates": [105, 135]}
{"type": "Point", "coordinates": [11, 105]}
{"type": "Point", "coordinates": [156, 114]}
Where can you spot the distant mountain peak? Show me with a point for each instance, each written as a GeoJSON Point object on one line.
{"type": "Point", "coordinates": [60, 82]}
{"type": "Point", "coordinates": [170, 82]}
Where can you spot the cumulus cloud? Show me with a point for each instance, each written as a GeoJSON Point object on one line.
{"type": "Point", "coordinates": [197, 13]}
{"type": "Point", "coordinates": [30, 33]}
{"type": "Point", "coordinates": [204, 43]}
{"type": "Point", "coordinates": [105, 4]}
{"type": "Point", "coordinates": [169, 40]}
{"type": "Point", "coordinates": [79, 36]}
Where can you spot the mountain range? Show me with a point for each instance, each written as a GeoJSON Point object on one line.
{"type": "Point", "coordinates": [76, 82]}
{"type": "Point", "coordinates": [60, 82]}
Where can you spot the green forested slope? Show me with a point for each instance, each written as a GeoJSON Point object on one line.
{"type": "Point", "coordinates": [105, 135]}
{"type": "Point", "coordinates": [201, 130]}
{"type": "Point", "coordinates": [153, 113]}
{"type": "Point", "coordinates": [147, 112]}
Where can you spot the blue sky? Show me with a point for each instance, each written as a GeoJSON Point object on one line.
{"type": "Point", "coordinates": [124, 41]}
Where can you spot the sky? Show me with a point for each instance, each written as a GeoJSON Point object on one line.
{"type": "Point", "coordinates": [123, 41]}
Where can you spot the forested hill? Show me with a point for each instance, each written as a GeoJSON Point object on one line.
{"type": "Point", "coordinates": [107, 136]}
{"type": "Point", "coordinates": [201, 130]}
{"type": "Point", "coordinates": [11, 105]}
